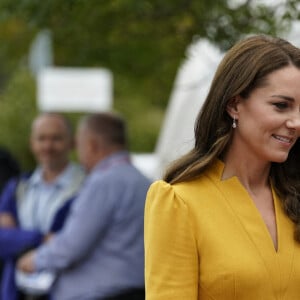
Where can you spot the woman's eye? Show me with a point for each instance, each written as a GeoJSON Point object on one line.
{"type": "Point", "coordinates": [281, 105]}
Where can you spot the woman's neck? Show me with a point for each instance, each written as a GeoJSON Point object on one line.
{"type": "Point", "coordinates": [253, 174]}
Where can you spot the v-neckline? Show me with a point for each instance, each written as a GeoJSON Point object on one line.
{"type": "Point", "coordinates": [254, 228]}
{"type": "Point", "coordinates": [247, 212]}
{"type": "Point", "coordinates": [256, 214]}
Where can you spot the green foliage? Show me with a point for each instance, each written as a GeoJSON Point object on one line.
{"type": "Point", "coordinates": [142, 42]}
{"type": "Point", "coordinates": [15, 37]}
{"type": "Point", "coordinates": [144, 118]}
{"type": "Point", "coordinates": [17, 106]}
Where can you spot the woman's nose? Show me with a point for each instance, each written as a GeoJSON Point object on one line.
{"type": "Point", "coordinates": [294, 122]}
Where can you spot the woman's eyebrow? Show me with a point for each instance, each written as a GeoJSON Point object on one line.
{"type": "Point", "coordinates": [283, 97]}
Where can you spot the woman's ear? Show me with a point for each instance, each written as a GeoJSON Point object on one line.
{"type": "Point", "coordinates": [232, 107]}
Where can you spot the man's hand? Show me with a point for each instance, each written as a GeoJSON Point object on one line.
{"type": "Point", "coordinates": [48, 237]}
{"type": "Point", "coordinates": [26, 263]}
{"type": "Point", "coordinates": [7, 220]}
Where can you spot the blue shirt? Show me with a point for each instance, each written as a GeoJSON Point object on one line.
{"type": "Point", "coordinates": [100, 251]}
{"type": "Point", "coordinates": [41, 201]}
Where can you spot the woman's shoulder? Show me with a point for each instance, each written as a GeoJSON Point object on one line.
{"type": "Point", "coordinates": [185, 191]}
{"type": "Point", "coordinates": [206, 181]}
{"type": "Point", "coordinates": [161, 184]}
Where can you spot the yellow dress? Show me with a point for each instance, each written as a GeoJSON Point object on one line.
{"type": "Point", "coordinates": [206, 240]}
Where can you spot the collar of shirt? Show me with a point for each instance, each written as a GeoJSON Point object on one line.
{"type": "Point", "coordinates": [117, 158]}
{"type": "Point", "coordinates": [61, 180]}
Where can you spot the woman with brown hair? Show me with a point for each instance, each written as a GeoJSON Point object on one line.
{"type": "Point", "coordinates": [225, 221]}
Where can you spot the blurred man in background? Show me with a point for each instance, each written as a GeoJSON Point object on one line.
{"type": "Point", "coordinates": [34, 206]}
{"type": "Point", "coordinates": [99, 254]}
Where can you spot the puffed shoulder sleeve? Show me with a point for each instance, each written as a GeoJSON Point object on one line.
{"type": "Point", "coordinates": [171, 259]}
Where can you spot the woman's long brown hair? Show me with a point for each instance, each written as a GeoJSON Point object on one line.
{"type": "Point", "coordinates": [243, 69]}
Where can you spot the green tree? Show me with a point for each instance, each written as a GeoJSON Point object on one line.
{"type": "Point", "coordinates": [16, 117]}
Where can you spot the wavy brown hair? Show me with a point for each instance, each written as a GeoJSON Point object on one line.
{"type": "Point", "coordinates": [243, 69]}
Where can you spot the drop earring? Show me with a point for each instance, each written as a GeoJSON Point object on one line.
{"type": "Point", "coordinates": [233, 123]}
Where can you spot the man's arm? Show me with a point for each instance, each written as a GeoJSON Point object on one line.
{"type": "Point", "coordinates": [17, 241]}
{"type": "Point", "coordinates": [90, 215]}
{"type": "Point", "coordinates": [8, 199]}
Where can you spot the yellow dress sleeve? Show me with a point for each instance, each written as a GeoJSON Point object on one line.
{"type": "Point", "coordinates": [171, 259]}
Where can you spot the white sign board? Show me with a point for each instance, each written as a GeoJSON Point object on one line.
{"type": "Point", "coordinates": [74, 89]}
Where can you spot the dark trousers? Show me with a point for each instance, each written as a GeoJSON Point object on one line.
{"type": "Point", "coordinates": [22, 296]}
{"type": "Point", "coordinates": [136, 294]}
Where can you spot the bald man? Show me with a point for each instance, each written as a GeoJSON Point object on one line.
{"type": "Point", "coordinates": [36, 205]}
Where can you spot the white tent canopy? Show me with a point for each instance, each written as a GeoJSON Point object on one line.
{"type": "Point", "coordinates": [189, 92]}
